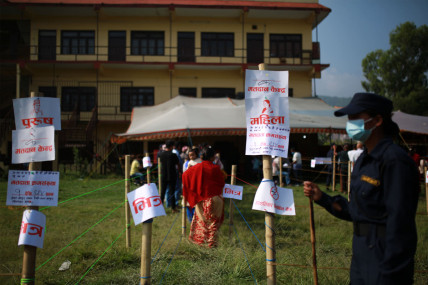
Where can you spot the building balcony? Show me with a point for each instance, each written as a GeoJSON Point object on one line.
{"type": "Point", "coordinates": [167, 57]}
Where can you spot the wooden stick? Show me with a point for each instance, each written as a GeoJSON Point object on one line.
{"type": "Point", "coordinates": [232, 182]}
{"type": "Point", "coordinates": [148, 170]}
{"type": "Point", "coordinates": [146, 246]}
{"type": "Point", "coordinates": [334, 173]}
{"type": "Point", "coordinates": [146, 252]}
{"type": "Point", "coordinates": [314, 254]}
{"type": "Point", "coordinates": [426, 185]}
{"type": "Point", "coordinates": [30, 252]}
{"type": "Point", "coordinates": [269, 221]}
{"type": "Point", "coordinates": [183, 217]}
{"type": "Point", "coordinates": [127, 208]}
{"type": "Point", "coordinates": [281, 180]}
{"type": "Point", "coordinates": [159, 177]}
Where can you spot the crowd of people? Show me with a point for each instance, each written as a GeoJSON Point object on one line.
{"type": "Point", "coordinates": [197, 174]}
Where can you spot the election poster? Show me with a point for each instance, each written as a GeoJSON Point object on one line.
{"type": "Point", "coordinates": [34, 144]}
{"type": "Point", "coordinates": [145, 203]}
{"type": "Point", "coordinates": [33, 228]}
{"type": "Point", "coordinates": [32, 188]}
{"type": "Point", "coordinates": [267, 115]}
{"type": "Point", "coordinates": [37, 112]}
{"type": "Point", "coordinates": [273, 199]}
{"type": "Point", "coordinates": [233, 191]}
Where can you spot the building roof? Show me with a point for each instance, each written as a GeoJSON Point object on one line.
{"type": "Point", "coordinates": [256, 9]}
{"type": "Point", "coordinates": [183, 116]}
{"type": "Point", "coordinates": [189, 3]}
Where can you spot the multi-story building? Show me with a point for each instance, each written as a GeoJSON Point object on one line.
{"type": "Point", "coordinates": [103, 57]}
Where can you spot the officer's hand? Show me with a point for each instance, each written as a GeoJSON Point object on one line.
{"type": "Point", "coordinates": [312, 190]}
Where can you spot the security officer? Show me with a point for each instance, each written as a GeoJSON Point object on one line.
{"type": "Point", "coordinates": [383, 197]}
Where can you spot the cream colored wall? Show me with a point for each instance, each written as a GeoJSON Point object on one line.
{"type": "Point", "coordinates": [160, 77]}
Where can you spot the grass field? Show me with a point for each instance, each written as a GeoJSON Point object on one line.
{"type": "Point", "coordinates": [102, 212]}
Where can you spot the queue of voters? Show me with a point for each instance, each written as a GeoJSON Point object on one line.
{"type": "Point", "coordinates": [382, 198]}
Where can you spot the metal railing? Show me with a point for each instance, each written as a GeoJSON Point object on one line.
{"type": "Point", "coordinates": [162, 55]}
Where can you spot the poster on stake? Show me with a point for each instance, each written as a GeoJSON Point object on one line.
{"type": "Point", "coordinates": [267, 115]}
{"type": "Point", "coordinates": [33, 145]}
{"type": "Point", "coordinates": [33, 227]}
{"type": "Point", "coordinates": [145, 203]}
{"type": "Point", "coordinates": [273, 199]}
{"type": "Point", "coordinates": [32, 188]}
{"type": "Point", "coordinates": [37, 112]}
{"type": "Point", "coordinates": [233, 191]}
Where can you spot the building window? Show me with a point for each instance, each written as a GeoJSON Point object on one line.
{"type": "Point", "coordinates": [290, 92]}
{"type": "Point", "coordinates": [47, 45]}
{"type": "Point", "coordinates": [187, 91]}
{"type": "Point", "coordinates": [286, 45]}
{"type": "Point", "coordinates": [147, 43]}
{"type": "Point", "coordinates": [77, 42]}
{"type": "Point", "coordinates": [78, 98]}
{"type": "Point", "coordinates": [217, 44]}
{"type": "Point", "coordinates": [136, 96]}
{"type": "Point", "coordinates": [218, 92]}
{"type": "Point", "coordinates": [48, 91]}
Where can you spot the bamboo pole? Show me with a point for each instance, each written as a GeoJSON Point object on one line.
{"type": "Point", "coordinates": [314, 254]}
{"type": "Point", "coordinates": [30, 252]}
{"type": "Point", "coordinates": [269, 221]}
{"type": "Point", "coordinates": [270, 224]}
{"type": "Point", "coordinates": [183, 217]}
{"type": "Point", "coordinates": [281, 180]}
{"type": "Point", "coordinates": [232, 182]}
{"type": "Point", "coordinates": [349, 177]}
{"type": "Point", "coordinates": [426, 186]}
{"type": "Point", "coordinates": [127, 209]}
{"type": "Point", "coordinates": [159, 177]}
{"type": "Point", "coordinates": [146, 246]}
{"type": "Point", "coordinates": [334, 173]}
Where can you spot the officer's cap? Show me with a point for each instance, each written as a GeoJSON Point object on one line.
{"type": "Point", "coordinates": [366, 101]}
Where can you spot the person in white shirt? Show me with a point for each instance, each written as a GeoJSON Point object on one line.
{"type": "Point", "coordinates": [354, 154]}
{"type": "Point", "coordinates": [297, 165]}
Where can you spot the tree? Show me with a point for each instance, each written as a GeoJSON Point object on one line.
{"type": "Point", "coordinates": [400, 73]}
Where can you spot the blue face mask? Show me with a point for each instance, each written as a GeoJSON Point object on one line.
{"type": "Point", "coordinates": [356, 131]}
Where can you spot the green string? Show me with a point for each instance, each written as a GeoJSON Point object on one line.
{"type": "Point", "coordinates": [101, 255]}
{"type": "Point", "coordinates": [102, 219]}
{"type": "Point", "coordinates": [27, 280]}
{"type": "Point", "coordinates": [87, 193]}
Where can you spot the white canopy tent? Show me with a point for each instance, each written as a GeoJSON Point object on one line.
{"type": "Point", "coordinates": [411, 123]}
{"type": "Point", "coordinates": [186, 116]}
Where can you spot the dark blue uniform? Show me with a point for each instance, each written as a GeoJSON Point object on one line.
{"type": "Point", "coordinates": [383, 201]}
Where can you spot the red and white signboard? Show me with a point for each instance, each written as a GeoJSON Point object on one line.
{"type": "Point", "coordinates": [145, 203]}
{"type": "Point", "coordinates": [37, 112]}
{"type": "Point", "coordinates": [426, 177]}
{"type": "Point", "coordinates": [266, 103]}
{"type": "Point", "coordinates": [34, 144]}
{"type": "Point", "coordinates": [32, 188]}
{"type": "Point", "coordinates": [233, 191]}
{"type": "Point", "coordinates": [273, 199]}
{"type": "Point", "coordinates": [33, 227]}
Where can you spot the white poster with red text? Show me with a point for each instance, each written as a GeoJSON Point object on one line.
{"type": "Point", "coordinates": [267, 115]}
{"type": "Point", "coordinates": [33, 228]}
{"type": "Point", "coordinates": [145, 203]}
{"type": "Point", "coordinates": [37, 112]}
{"type": "Point", "coordinates": [34, 144]}
{"type": "Point", "coordinates": [273, 199]}
{"type": "Point", "coordinates": [233, 191]}
{"type": "Point", "coordinates": [32, 188]}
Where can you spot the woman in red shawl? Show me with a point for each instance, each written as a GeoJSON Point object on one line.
{"type": "Point", "coordinates": [203, 187]}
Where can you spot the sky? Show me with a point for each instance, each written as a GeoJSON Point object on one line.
{"type": "Point", "coordinates": [353, 29]}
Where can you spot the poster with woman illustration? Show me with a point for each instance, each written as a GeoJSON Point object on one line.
{"type": "Point", "coordinates": [267, 115]}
